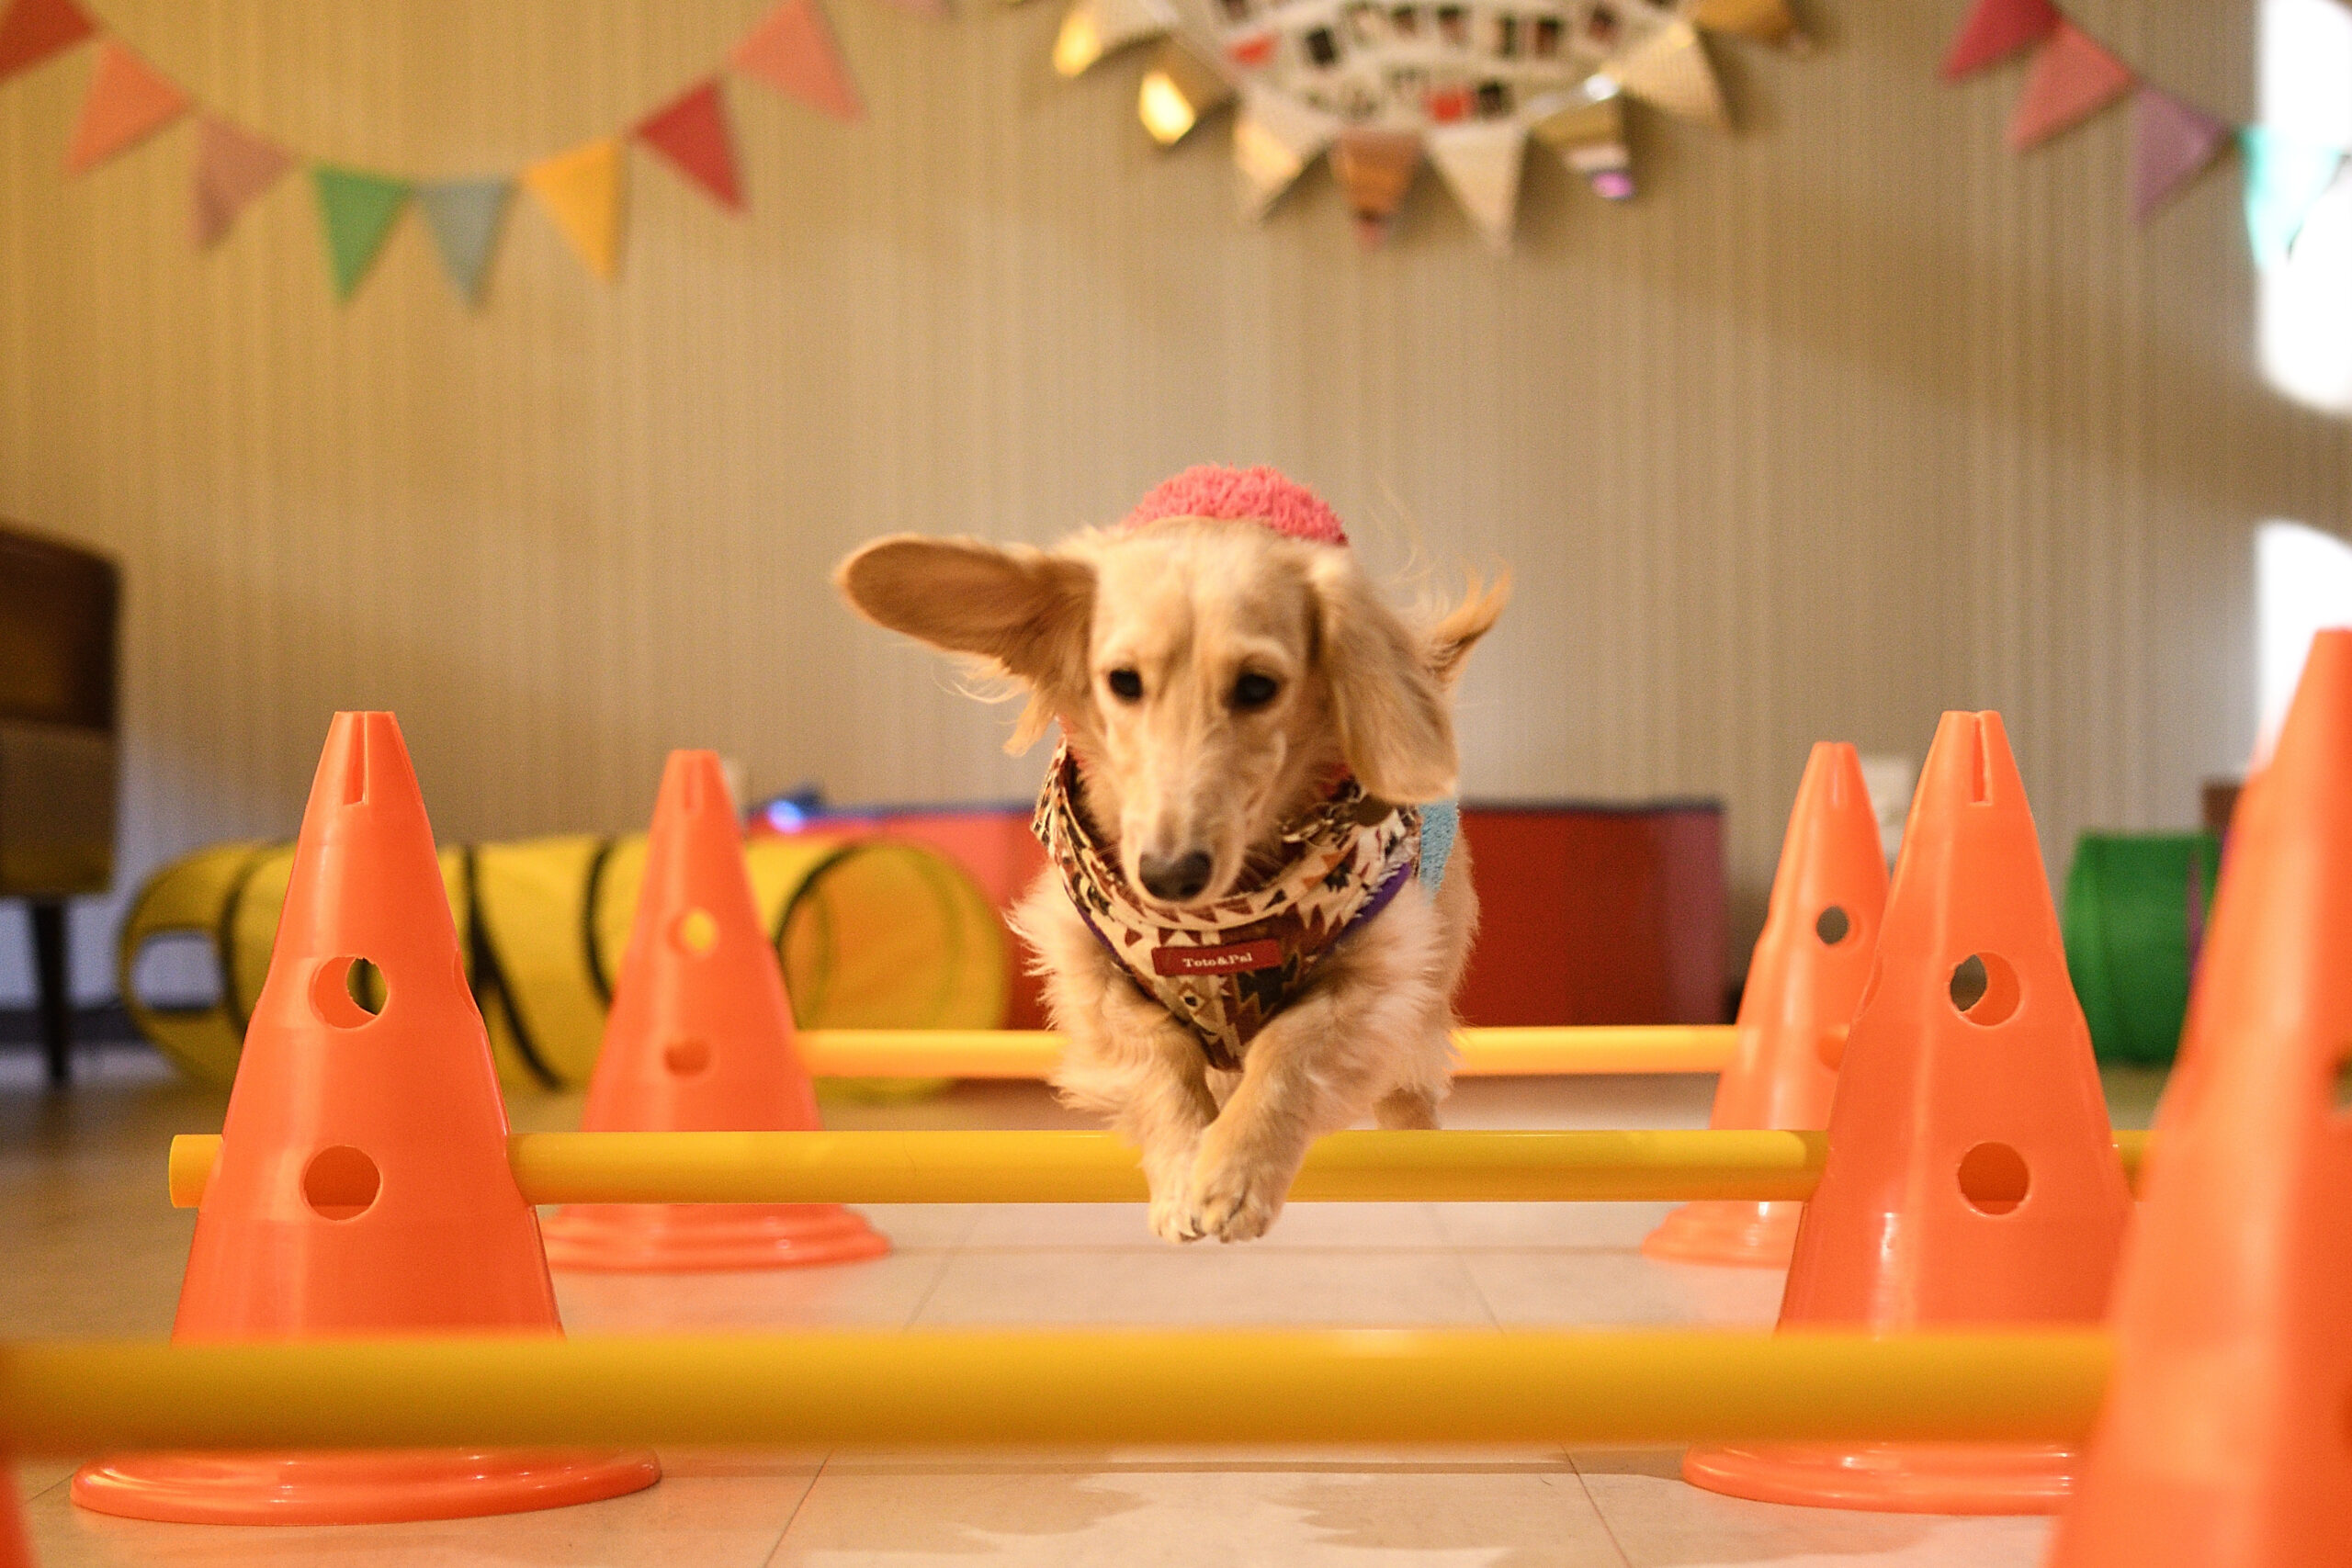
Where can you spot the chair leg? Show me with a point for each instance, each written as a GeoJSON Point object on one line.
{"type": "Point", "coordinates": [56, 999]}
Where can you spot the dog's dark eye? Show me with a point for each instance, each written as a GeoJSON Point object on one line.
{"type": "Point", "coordinates": [1254, 691]}
{"type": "Point", "coordinates": [1125, 685]}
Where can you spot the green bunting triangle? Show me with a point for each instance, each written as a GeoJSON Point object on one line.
{"type": "Point", "coordinates": [357, 210]}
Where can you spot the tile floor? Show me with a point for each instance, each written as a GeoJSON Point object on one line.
{"type": "Point", "coordinates": [96, 1250]}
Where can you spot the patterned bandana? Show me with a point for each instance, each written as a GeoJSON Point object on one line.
{"type": "Point", "coordinates": [1226, 968]}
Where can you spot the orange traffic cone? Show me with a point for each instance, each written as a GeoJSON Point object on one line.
{"type": "Point", "coordinates": [700, 1040]}
{"type": "Point", "coordinates": [15, 1548]}
{"type": "Point", "coordinates": [2226, 1439]}
{"type": "Point", "coordinates": [1971, 1178]}
{"type": "Point", "coordinates": [361, 1185]}
{"type": "Point", "coordinates": [1819, 932]}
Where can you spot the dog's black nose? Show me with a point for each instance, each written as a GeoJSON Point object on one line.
{"type": "Point", "coordinates": [1175, 878]}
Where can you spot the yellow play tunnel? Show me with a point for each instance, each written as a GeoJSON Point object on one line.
{"type": "Point", "coordinates": [873, 934]}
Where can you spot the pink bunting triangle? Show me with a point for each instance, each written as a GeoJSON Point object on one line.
{"type": "Point", "coordinates": [2172, 142]}
{"type": "Point", "coordinates": [32, 31]}
{"type": "Point", "coordinates": [2073, 79]}
{"type": "Point", "coordinates": [794, 53]}
{"type": "Point", "coordinates": [232, 167]}
{"type": "Point", "coordinates": [1996, 30]}
{"type": "Point", "coordinates": [691, 132]}
{"type": "Point", "coordinates": [129, 100]}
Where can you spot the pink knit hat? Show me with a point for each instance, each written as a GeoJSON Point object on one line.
{"type": "Point", "coordinates": [1250, 495]}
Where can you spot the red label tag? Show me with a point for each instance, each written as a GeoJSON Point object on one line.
{"type": "Point", "coordinates": [1234, 960]}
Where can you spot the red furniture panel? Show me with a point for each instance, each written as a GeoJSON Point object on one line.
{"type": "Point", "coordinates": [1592, 914]}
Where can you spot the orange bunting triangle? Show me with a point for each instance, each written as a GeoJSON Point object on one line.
{"type": "Point", "coordinates": [128, 102]}
{"type": "Point", "coordinates": [794, 53]}
{"type": "Point", "coordinates": [32, 31]}
{"type": "Point", "coordinates": [582, 190]}
{"type": "Point", "coordinates": [691, 132]}
{"type": "Point", "coordinates": [2073, 79]}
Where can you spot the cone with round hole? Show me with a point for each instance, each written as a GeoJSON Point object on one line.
{"type": "Point", "coordinates": [700, 1040]}
{"type": "Point", "coordinates": [2226, 1438]}
{"type": "Point", "coordinates": [1820, 930]}
{"type": "Point", "coordinates": [362, 1185]}
{"type": "Point", "coordinates": [1971, 1181]}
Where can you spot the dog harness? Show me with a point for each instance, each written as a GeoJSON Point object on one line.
{"type": "Point", "coordinates": [1225, 969]}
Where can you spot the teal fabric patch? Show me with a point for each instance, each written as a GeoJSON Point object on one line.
{"type": "Point", "coordinates": [1441, 823]}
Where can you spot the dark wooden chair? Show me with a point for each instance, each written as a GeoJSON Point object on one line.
{"type": "Point", "coordinates": [59, 606]}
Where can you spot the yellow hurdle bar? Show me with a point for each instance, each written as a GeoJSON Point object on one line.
{"type": "Point", "coordinates": [1095, 1167]}
{"type": "Point", "coordinates": [1491, 1053]}
{"type": "Point", "coordinates": [861, 1389]}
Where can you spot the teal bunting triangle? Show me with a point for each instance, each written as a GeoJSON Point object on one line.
{"type": "Point", "coordinates": [2284, 176]}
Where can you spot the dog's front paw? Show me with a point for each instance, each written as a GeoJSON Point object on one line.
{"type": "Point", "coordinates": [1233, 1200]}
{"type": "Point", "coordinates": [1172, 1217]}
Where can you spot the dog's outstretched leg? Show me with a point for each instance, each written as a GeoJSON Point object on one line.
{"type": "Point", "coordinates": [1375, 1016]}
{"type": "Point", "coordinates": [1130, 1062]}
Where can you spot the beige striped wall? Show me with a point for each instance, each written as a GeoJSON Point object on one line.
{"type": "Point", "coordinates": [1850, 418]}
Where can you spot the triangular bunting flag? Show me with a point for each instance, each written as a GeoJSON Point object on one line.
{"type": "Point", "coordinates": [581, 191]}
{"type": "Point", "coordinates": [32, 31]}
{"type": "Point", "coordinates": [1767, 21]}
{"type": "Point", "coordinates": [1481, 164]}
{"type": "Point", "coordinates": [356, 210]}
{"type": "Point", "coordinates": [2172, 142]}
{"type": "Point", "coordinates": [2283, 177]}
{"type": "Point", "coordinates": [1375, 169]}
{"type": "Point", "coordinates": [1275, 138]}
{"type": "Point", "coordinates": [691, 132]}
{"type": "Point", "coordinates": [1178, 92]}
{"type": "Point", "coordinates": [1670, 70]}
{"type": "Point", "coordinates": [464, 216]}
{"type": "Point", "coordinates": [1092, 28]}
{"type": "Point", "coordinates": [128, 101]}
{"type": "Point", "coordinates": [1589, 136]}
{"type": "Point", "coordinates": [233, 167]}
{"type": "Point", "coordinates": [2073, 79]}
{"type": "Point", "coordinates": [1996, 30]}
{"type": "Point", "coordinates": [794, 53]}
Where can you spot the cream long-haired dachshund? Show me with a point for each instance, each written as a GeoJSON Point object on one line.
{"type": "Point", "coordinates": [1256, 914]}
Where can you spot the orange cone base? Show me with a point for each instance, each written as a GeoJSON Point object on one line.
{"type": "Point", "coordinates": [1895, 1478]}
{"type": "Point", "coordinates": [1758, 1235]}
{"type": "Point", "coordinates": [374, 1488]}
{"type": "Point", "coordinates": [701, 1238]}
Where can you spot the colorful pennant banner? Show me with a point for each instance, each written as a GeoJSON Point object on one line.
{"type": "Point", "coordinates": [1382, 86]}
{"type": "Point", "coordinates": [691, 132]}
{"type": "Point", "coordinates": [2074, 77]}
{"type": "Point", "coordinates": [128, 102]}
{"type": "Point", "coordinates": [465, 217]}
{"type": "Point", "coordinates": [356, 211]}
{"type": "Point", "coordinates": [233, 167]}
{"type": "Point", "coordinates": [583, 190]}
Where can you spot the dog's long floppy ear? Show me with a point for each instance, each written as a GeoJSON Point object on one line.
{"type": "Point", "coordinates": [1025, 612]}
{"type": "Point", "coordinates": [1394, 726]}
{"type": "Point", "coordinates": [1449, 642]}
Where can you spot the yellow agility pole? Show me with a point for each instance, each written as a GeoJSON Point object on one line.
{"type": "Point", "coordinates": [1095, 1167]}
{"type": "Point", "coordinates": [819, 1390]}
{"type": "Point", "coordinates": [1489, 1053]}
